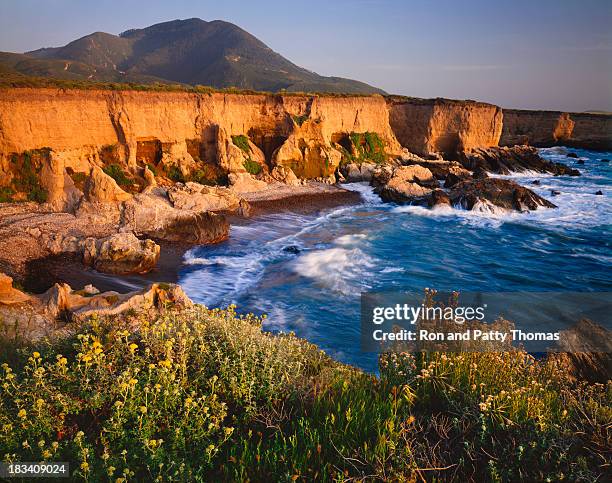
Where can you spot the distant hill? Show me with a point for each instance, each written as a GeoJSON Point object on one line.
{"type": "Point", "coordinates": [217, 54]}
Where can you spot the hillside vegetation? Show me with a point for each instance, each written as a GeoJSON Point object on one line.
{"type": "Point", "coordinates": [192, 51]}
{"type": "Point", "coordinates": [205, 395]}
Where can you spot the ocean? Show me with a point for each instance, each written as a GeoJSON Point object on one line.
{"type": "Point", "coordinates": [307, 271]}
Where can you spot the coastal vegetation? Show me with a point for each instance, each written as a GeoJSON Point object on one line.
{"type": "Point", "coordinates": [12, 80]}
{"type": "Point", "coordinates": [203, 394]}
{"type": "Point", "coordinates": [242, 141]}
{"type": "Point", "coordinates": [364, 147]}
{"type": "Point", "coordinates": [25, 184]}
{"type": "Point", "coordinates": [116, 172]}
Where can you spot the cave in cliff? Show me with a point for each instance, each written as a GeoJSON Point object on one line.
{"type": "Point", "coordinates": [268, 142]}
{"type": "Point", "coordinates": [149, 150]}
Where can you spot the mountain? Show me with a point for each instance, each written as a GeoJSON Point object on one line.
{"type": "Point", "coordinates": [217, 53]}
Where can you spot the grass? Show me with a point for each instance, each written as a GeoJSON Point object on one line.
{"type": "Point", "coordinates": [116, 172]}
{"type": "Point", "coordinates": [205, 395]}
{"type": "Point", "coordinates": [16, 80]}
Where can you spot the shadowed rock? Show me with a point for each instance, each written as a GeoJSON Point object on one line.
{"type": "Point", "coordinates": [499, 192]}
{"type": "Point", "coordinates": [504, 160]}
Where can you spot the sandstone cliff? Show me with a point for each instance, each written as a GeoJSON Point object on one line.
{"type": "Point", "coordinates": [549, 128]}
{"type": "Point", "coordinates": [80, 125]}
{"type": "Point", "coordinates": [427, 126]}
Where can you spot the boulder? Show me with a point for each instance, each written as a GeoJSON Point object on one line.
{"type": "Point", "coordinates": [438, 197]}
{"type": "Point", "coordinates": [8, 294]}
{"type": "Point", "coordinates": [285, 175]}
{"type": "Point", "coordinates": [404, 184]}
{"type": "Point", "coordinates": [121, 254]}
{"type": "Point", "coordinates": [194, 228]}
{"type": "Point", "coordinates": [101, 188]}
{"type": "Point", "coordinates": [572, 155]}
{"type": "Point", "coordinates": [196, 197]}
{"type": "Point", "coordinates": [504, 160]}
{"type": "Point", "coordinates": [354, 172]}
{"type": "Point", "coordinates": [245, 183]}
{"type": "Point", "coordinates": [499, 192]}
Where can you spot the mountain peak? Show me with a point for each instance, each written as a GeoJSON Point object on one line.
{"type": "Point", "coordinates": [190, 51]}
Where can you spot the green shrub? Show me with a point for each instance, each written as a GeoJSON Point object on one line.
{"type": "Point", "coordinates": [38, 194]}
{"type": "Point", "coordinates": [6, 194]}
{"type": "Point", "coordinates": [251, 166]}
{"type": "Point", "coordinates": [369, 147]}
{"type": "Point", "coordinates": [152, 168]}
{"type": "Point", "coordinates": [175, 174]}
{"type": "Point", "coordinates": [243, 143]}
{"type": "Point", "coordinates": [116, 172]}
{"type": "Point", "coordinates": [299, 120]}
{"type": "Point", "coordinates": [27, 179]}
{"type": "Point", "coordinates": [206, 395]}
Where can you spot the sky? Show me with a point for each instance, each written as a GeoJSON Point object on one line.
{"type": "Point", "coordinates": [536, 54]}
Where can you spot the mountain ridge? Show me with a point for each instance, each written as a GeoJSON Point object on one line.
{"type": "Point", "coordinates": [192, 51]}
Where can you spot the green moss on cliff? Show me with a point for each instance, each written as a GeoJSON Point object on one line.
{"type": "Point", "coordinates": [116, 172]}
{"type": "Point", "coordinates": [243, 143]}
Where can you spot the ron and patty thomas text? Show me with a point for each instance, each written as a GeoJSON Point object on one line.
{"type": "Point", "coordinates": [459, 315]}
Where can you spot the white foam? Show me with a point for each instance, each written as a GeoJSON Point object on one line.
{"type": "Point", "coordinates": [366, 191]}
{"type": "Point", "coordinates": [340, 269]}
{"type": "Point", "coordinates": [351, 240]}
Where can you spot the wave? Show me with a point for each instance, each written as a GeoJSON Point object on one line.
{"type": "Point", "coordinates": [339, 269]}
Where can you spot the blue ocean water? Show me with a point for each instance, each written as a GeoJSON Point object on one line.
{"type": "Point", "coordinates": [306, 272]}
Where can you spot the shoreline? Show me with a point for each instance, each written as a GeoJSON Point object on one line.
{"type": "Point", "coordinates": [41, 273]}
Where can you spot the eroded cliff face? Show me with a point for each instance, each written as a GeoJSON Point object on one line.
{"type": "Point", "coordinates": [550, 128]}
{"type": "Point", "coordinates": [447, 127]}
{"type": "Point", "coordinates": [80, 123]}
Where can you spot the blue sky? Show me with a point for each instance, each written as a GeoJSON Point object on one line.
{"type": "Point", "coordinates": [537, 54]}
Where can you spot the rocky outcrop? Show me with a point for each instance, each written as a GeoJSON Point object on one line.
{"type": "Point", "coordinates": [482, 194]}
{"type": "Point", "coordinates": [504, 160]}
{"type": "Point", "coordinates": [307, 151]}
{"type": "Point", "coordinates": [8, 294]}
{"type": "Point", "coordinates": [193, 228]}
{"type": "Point", "coordinates": [585, 352]}
{"type": "Point", "coordinates": [153, 215]}
{"type": "Point", "coordinates": [60, 309]}
{"type": "Point", "coordinates": [404, 184]}
{"type": "Point", "coordinates": [101, 188]}
{"type": "Point", "coordinates": [245, 183]}
{"type": "Point", "coordinates": [445, 126]}
{"type": "Point", "coordinates": [196, 197]}
{"type": "Point", "coordinates": [120, 253]}
{"type": "Point", "coordinates": [551, 128]}
{"type": "Point", "coordinates": [354, 172]}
